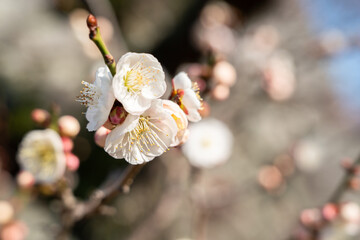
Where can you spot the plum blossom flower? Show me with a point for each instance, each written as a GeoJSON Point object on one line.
{"type": "Point", "coordinates": [99, 98]}
{"type": "Point", "coordinates": [138, 80]}
{"type": "Point", "coordinates": [141, 138]}
{"type": "Point", "coordinates": [209, 144]}
{"type": "Point", "coordinates": [41, 153]}
{"type": "Point", "coordinates": [186, 94]}
{"type": "Point", "coordinates": [181, 121]}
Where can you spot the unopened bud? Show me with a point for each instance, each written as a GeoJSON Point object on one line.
{"type": "Point", "coordinates": [25, 180]}
{"type": "Point", "coordinates": [330, 211]}
{"type": "Point", "coordinates": [100, 136]}
{"type": "Point", "coordinates": [68, 144]}
{"type": "Point", "coordinates": [117, 115]}
{"type": "Point", "coordinates": [221, 92]}
{"type": "Point", "coordinates": [41, 117]}
{"type": "Point", "coordinates": [224, 73]}
{"type": "Point", "coordinates": [68, 126]}
{"type": "Point", "coordinates": [91, 21]}
{"type": "Point", "coordinates": [72, 162]}
{"type": "Point", "coordinates": [7, 212]}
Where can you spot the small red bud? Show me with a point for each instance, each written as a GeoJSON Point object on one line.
{"type": "Point", "coordinates": [91, 21]}
{"type": "Point", "coordinates": [117, 115]}
{"type": "Point", "coordinates": [41, 117]}
{"type": "Point", "coordinates": [72, 162]}
{"type": "Point", "coordinates": [330, 211]}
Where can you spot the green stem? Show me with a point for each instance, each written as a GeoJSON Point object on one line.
{"type": "Point", "coordinates": [95, 36]}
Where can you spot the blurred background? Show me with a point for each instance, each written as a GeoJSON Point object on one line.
{"type": "Point", "coordinates": [293, 111]}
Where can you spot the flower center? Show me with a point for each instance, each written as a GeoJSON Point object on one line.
{"type": "Point", "coordinates": [137, 77]}
{"type": "Point", "coordinates": [89, 96]}
{"type": "Point", "coordinates": [144, 136]}
{"type": "Point", "coordinates": [40, 157]}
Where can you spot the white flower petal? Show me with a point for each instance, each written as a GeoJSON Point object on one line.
{"type": "Point", "coordinates": [190, 100]}
{"type": "Point", "coordinates": [138, 80]}
{"type": "Point", "coordinates": [182, 81]}
{"type": "Point", "coordinates": [136, 104]}
{"type": "Point", "coordinates": [154, 132]}
{"type": "Point", "coordinates": [103, 100]}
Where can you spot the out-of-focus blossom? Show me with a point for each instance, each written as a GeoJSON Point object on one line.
{"type": "Point", "coordinates": [25, 179]}
{"type": "Point", "coordinates": [100, 136]}
{"type": "Point", "coordinates": [217, 13]}
{"type": "Point", "coordinates": [224, 73]}
{"type": "Point", "coordinates": [186, 94]}
{"type": "Point", "coordinates": [308, 155]}
{"type": "Point", "coordinates": [209, 144]}
{"type": "Point", "coordinates": [219, 38]}
{"type": "Point", "coordinates": [6, 212]}
{"type": "Point", "coordinates": [181, 121]}
{"type": "Point", "coordinates": [220, 92]}
{"type": "Point", "coordinates": [14, 231]}
{"type": "Point", "coordinates": [350, 212]}
{"type": "Point", "coordinates": [143, 137]}
{"type": "Point", "coordinates": [270, 178]}
{"type": "Point", "coordinates": [68, 126]}
{"type": "Point", "coordinates": [41, 153]}
{"type": "Point", "coordinates": [139, 79]}
{"type": "Point", "coordinates": [332, 42]}
{"type": "Point", "coordinates": [41, 117]}
{"type": "Point", "coordinates": [311, 218]}
{"type": "Point", "coordinates": [99, 98]}
{"type": "Point", "coordinates": [266, 38]}
{"type": "Point", "coordinates": [72, 161]}
{"type": "Point", "coordinates": [279, 77]}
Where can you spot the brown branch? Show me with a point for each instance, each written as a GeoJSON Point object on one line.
{"type": "Point", "coordinates": [75, 210]}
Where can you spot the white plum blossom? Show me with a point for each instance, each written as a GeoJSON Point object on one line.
{"type": "Point", "coordinates": [99, 98]}
{"type": "Point", "coordinates": [138, 80]}
{"type": "Point", "coordinates": [209, 144]}
{"type": "Point", "coordinates": [181, 121]}
{"type": "Point", "coordinates": [41, 153]}
{"type": "Point", "coordinates": [186, 94]}
{"type": "Point", "coordinates": [141, 138]}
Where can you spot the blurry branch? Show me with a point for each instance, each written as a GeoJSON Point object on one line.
{"type": "Point", "coordinates": [95, 36]}
{"type": "Point", "coordinates": [75, 210]}
{"type": "Point", "coordinates": [344, 183]}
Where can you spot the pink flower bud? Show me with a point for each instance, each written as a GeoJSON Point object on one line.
{"type": "Point", "coordinates": [68, 126]}
{"type": "Point", "coordinates": [41, 117]}
{"type": "Point", "coordinates": [311, 218]}
{"type": "Point", "coordinates": [7, 212]}
{"type": "Point", "coordinates": [221, 92]}
{"type": "Point", "coordinates": [72, 161]}
{"type": "Point", "coordinates": [224, 73]}
{"type": "Point", "coordinates": [14, 231]}
{"type": "Point", "coordinates": [330, 211]}
{"type": "Point", "coordinates": [68, 144]}
{"type": "Point", "coordinates": [25, 180]}
{"type": "Point", "coordinates": [117, 115]}
{"type": "Point", "coordinates": [100, 136]}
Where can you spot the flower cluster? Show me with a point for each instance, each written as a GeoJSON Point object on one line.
{"type": "Point", "coordinates": [141, 126]}
{"type": "Point", "coordinates": [45, 154]}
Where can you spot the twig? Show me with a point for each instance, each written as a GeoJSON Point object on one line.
{"type": "Point", "coordinates": [95, 36]}
{"type": "Point", "coordinates": [344, 184]}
